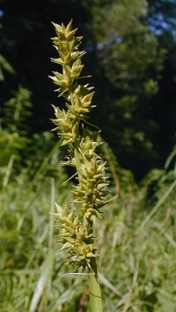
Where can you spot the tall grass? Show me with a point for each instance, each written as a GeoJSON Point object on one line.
{"type": "Point", "coordinates": [136, 238]}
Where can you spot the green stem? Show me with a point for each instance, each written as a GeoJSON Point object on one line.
{"type": "Point", "coordinates": [96, 304]}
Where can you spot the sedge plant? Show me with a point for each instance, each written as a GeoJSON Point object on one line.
{"type": "Point", "coordinates": [77, 218]}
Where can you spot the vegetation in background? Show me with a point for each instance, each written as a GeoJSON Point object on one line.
{"type": "Point", "coordinates": [137, 237]}
{"type": "Point", "coordinates": [132, 61]}
{"type": "Point", "coordinates": [5, 65]}
{"type": "Point", "coordinates": [138, 125]}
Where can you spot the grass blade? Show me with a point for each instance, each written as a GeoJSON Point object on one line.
{"type": "Point", "coordinates": [42, 282]}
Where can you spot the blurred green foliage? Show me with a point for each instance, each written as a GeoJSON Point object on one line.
{"type": "Point", "coordinates": [5, 65]}
{"type": "Point", "coordinates": [130, 54]}
{"type": "Point", "coordinates": [135, 93]}
{"type": "Point", "coordinates": [132, 61]}
{"type": "Point", "coordinates": [135, 239]}
{"type": "Point", "coordinates": [136, 258]}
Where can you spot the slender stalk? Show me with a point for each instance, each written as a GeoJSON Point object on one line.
{"type": "Point", "coordinates": [8, 171]}
{"type": "Point", "coordinates": [96, 304]}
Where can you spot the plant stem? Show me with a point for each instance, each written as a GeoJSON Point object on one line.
{"type": "Point", "coordinates": [96, 304]}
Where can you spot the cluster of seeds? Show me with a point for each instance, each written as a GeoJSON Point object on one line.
{"type": "Point", "coordinates": [89, 192]}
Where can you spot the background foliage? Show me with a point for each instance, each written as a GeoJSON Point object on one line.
{"type": "Point", "coordinates": [131, 50]}
{"type": "Point", "coordinates": [130, 54]}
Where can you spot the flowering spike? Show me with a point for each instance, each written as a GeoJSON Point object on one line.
{"type": "Point", "coordinates": [76, 234]}
{"type": "Point", "coordinates": [89, 192]}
